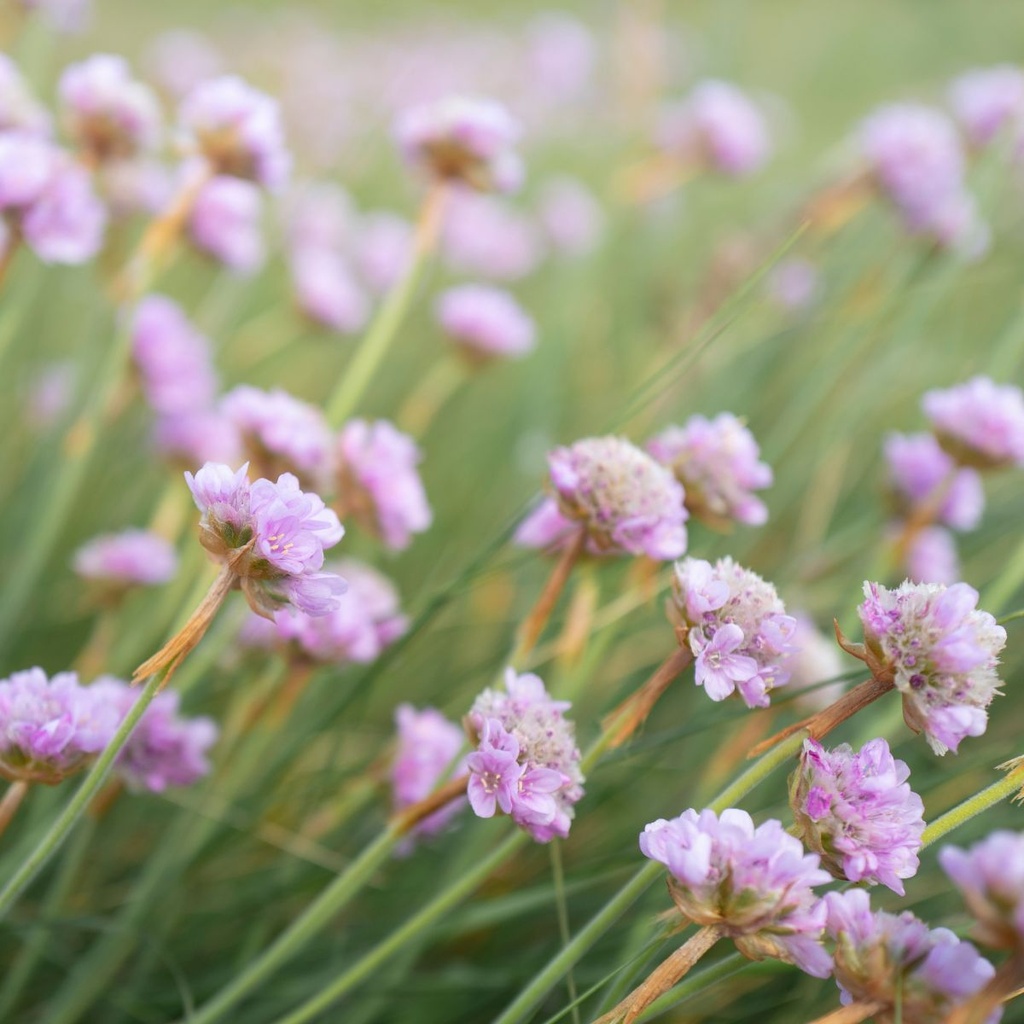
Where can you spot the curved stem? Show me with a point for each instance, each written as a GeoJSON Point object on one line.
{"type": "Point", "coordinates": [990, 796]}
{"type": "Point", "coordinates": [852, 1014]}
{"type": "Point", "coordinates": [11, 802]}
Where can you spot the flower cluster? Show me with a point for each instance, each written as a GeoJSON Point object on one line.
{"type": "Point", "coordinates": [858, 812]}
{"type": "Point", "coordinates": [718, 463]}
{"type": "Point", "coordinates": [225, 223]}
{"type": "Point", "coordinates": [979, 423]}
{"type": "Point", "coordinates": [485, 322]}
{"type": "Point", "coordinates": [736, 626]}
{"type": "Point", "coordinates": [271, 535]}
{"type": "Point", "coordinates": [128, 558]}
{"type": "Point", "coordinates": [526, 760]}
{"type": "Point", "coordinates": [987, 101]}
{"type": "Point", "coordinates": [942, 652]}
{"type": "Point", "coordinates": [624, 501]}
{"type": "Point", "coordinates": [754, 883]}
{"type": "Point", "coordinates": [915, 972]}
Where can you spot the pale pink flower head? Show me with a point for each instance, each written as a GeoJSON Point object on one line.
{"type": "Point", "coordinates": [858, 812]}
{"type": "Point", "coordinates": [226, 223]}
{"type": "Point", "coordinates": [326, 291]}
{"type": "Point", "coordinates": [487, 237]}
{"type": "Point", "coordinates": [194, 436]}
{"type": "Point", "coordinates": [463, 139]}
{"type": "Point", "coordinates": [485, 322]}
{"type": "Point", "coordinates": [987, 100]}
{"type": "Point", "coordinates": [980, 423]}
{"type": "Point", "coordinates": [814, 659]}
{"type": "Point", "coordinates": [754, 883]}
{"type": "Point", "coordinates": [27, 164]}
{"type": "Point", "coordinates": [20, 111]}
{"type": "Point", "coordinates": [990, 877]}
{"type": "Point", "coordinates": [794, 284]}
{"type": "Point", "coordinates": [942, 651]}
{"type": "Point", "coordinates": [737, 628]}
{"type": "Point", "coordinates": [717, 127]}
{"type": "Point", "coordinates": [383, 249]}
{"type": "Point", "coordinates": [526, 761]}
{"type": "Point", "coordinates": [931, 556]}
{"type": "Point", "coordinates": [238, 130]}
{"type": "Point", "coordinates": [379, 483]}
{"type": "Point", "coordinates": [915, 972]}
{"type": "Point", "coordinates": [718, 463]}
{"type": "Point", "coordinates": [129, 558]}
{"type": "Point", "coordinates": [571, 216]}
{"type": "Point", "coordinates": [109, 114]}
{"type": "Point", "coordinates": [65, 221]}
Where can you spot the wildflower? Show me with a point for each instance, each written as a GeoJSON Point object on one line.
{"type": "Point", "coordinates": [379, 484]}
{"type": "Point", "coordinates": [986, 100]}
{"type": "Point", "coordinates": [526, 763]}
{"type": "Point", "coordinates": [194, 436]}
{"type": "Point", "coordinates": [572, 218]}
{"type": "Point", "coordinates": [50, 728]}
{"type": "Point", "coordinates": [383, 250]}
{"type": "Point", "coordinates": [932, 557]}
{"type": "Point", "coordinates": [979, 423]}
{"type": "Point", "coordinates": [485, 322]}
{"type": "Point", "coordinates": [858, 812]}
{"type": "Point", "coordinates": [717, 127]}
{"type": "Point", "coordinates": [755, 884]}
{"type": "Point", "coordinates": [127, 558]}
{"type": "Point", "coordinates": [942, 653]}
{"type": "Point", "coordinates": [326, 291]}
{"type": "Point", "coordinates": [624, 501]}
{"type": "Point", "coordinates": [990, 877]}
{"type": "Point", "coordinates": [793, 284]}
{"type": "Point", "coordinates": [914, 972]}
{"type": "Point", "coordinates": [238, 131]}
{"type": "Point", "coordinates": [225, 223]}
{"type": "Point", "coordinates": [487, 237]}
{"type": "Point", "coordinates": [736, 627]}
{"type": "Point", "coordinates": [463, 139]}
{"type": "Point", "coordinates": [109, 114]}
{"type": "Point", "coordinates": [717, 462]}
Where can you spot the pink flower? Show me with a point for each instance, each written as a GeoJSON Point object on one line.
{"type": "Point", "coordinates": [487, 237]}
{"type": "Point", "coordinates": [326, 291]}
{"type": "Point", "coordinates": [494, 770]}
{"type": "Point", "coordinates": [126, 558]}
{"type": "Point", "coordinates": [225, 223]}
{"type": "Point", "coordinates": [980, 423]}
{"type": "Point", "coordinates": [485, 322]}
{"type": "Point", "coordinates": [987, 100]}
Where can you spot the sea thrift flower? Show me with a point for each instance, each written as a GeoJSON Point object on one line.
{"type": "Point", "coordinates": [793, 284]}
{"type": "Point", "coordinates": [921, 472]}
{"type": "Point", "coordinates": [225, 223]}
{"type": "Point", "coordinates": [127, 558]}
{"type": "Point", "coordinates": [526, 763]}
{"type": "Point", "coordinates": [271, 535]}
{"type": "Point", "coordinates": [280, 433]}
{"type": "Point", "coordinates": [194, 436]}
{"type": "Point", "coordinates": [238, 130]}
{"type": "Point", "coordinates": [135, 186]}
{"type": "Point", "coordinates": [50, 728]}
{"type": "Point", "coordinates": [717, 127]}
{"type": "Point", "coordinates": [814, 659]}
{"type": "Point", "coordinates": [463, 139]}
{"type": "Point", "coordinates": [756, 884]}
{"type": "Point", "coordinates": [367, 619]}
{"type": "Point", "coordinates": [487, 237]}
{"type": "Point", "coordinates": [383, 250]}
{"type": "Point", "coordinates": [379, 483]}
{"type": "Point", "coordinates": [109, 114]}
{"type": "Point", "coordinates": [990, 877]}
{"type": "Point", "coordinates": [980, 423]}
{"type": "Point", "coordinates": [717, 462]}
{"type": "Point", "coordinates": [326, 291]}
{"type": "Point", "coordinates": [858, 812]}
{"type": "Point", "coordinates": [917, 973]}
{"type": "Point", "coordinates": [19, 109]}
{"type": "Point", "coordinates": [572, 218]}
{"type": "Point", "coordinates": [942, 652]}
{"type": "Point", "coordinates": [737, 628]}
{"type": "Point", "coordinates": [932, 556]}
{"type": "Point", "coordinates": [624, 501]}
{"type": "Point", "coordinates": [485, 322]}
{"type": "Point", "coordinates": [988, 99]}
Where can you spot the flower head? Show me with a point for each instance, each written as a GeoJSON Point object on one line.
{"type": "Point", "coordinates": [463, 139]}
{"type": "Point", "coordinates": [225, 223]}
{"type": "Point", "coordinates": [917, 973]}
{"type": "Point", "coordinates": [990, 877]}
{"type": "Point", "coordinates": [932, 556]}
{"type": "Point", "coordinates": [383, 250]}
{"type": "Point", "coordinates": [979, 423]}
{"type": "Point", "coordinates": [571, 216]}
{"type": "Point", "coordinates": [526, 762]}
{"type": "Point", "coordinates": [755, 883]}
{"type": "Point", "coordinates": [942, 651]}
{"type": "Point", "coordinates": [379, 483]}
{"type": "Point", "coordinates": [485, 322]}
{"type": "Point", "coordinates": [858, 812]}
{"type": "Point", "coordinates": [986, 100]}
{"type": "Point", "coordinates": [718, 463]}
{"type": "Point", "coordinates": [488, 237]}
{"type": "Point", "coordinates": [794, 284]}
{"type": "Point", "coordinates": [326, 291]}
{"type": "Point", "coordinates": [737, 628]}
{"type": "Point", "coordinates": [127, 558]}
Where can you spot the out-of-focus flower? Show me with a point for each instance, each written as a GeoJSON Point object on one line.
{"type": "Point", "coordinates": [942, 651]}
{"type": "Point", "coordinates": [135, 186]}
{"type": "Point", "coordinates": [50, 393]}
{"type": "Point", "coordinates": [19, 109]}
{"type": "Point", "coordinates": [915, 972]}
{"type": "Point", "coordinates": [980, 423]}
{"type": "Point", "coordinates": [736, 626]}
{"type": "Point", "coordinates": [814, 658]}
{"type": "Point", "coordinates": [571, 216]}
{"type": "Point", "coordinates": [986, 100]}
{"type": "Point", "coordinates": [718, 463]}
{"type": "Point", "coordinates": [127, 558]}
{"type": "Point", "coordinates": [793, 284]}
{"type": "Point", "coordinates": [379, 483]}
{"type": "Point", "coordinates": [182, 59]}
{"type": "Point", "coordinates": [932, 556]}
{"type": "Point", "coordinates": [858, 811]}
{"type": "Point", "coordinates": [196, 436]}
{"type": "Point", "coordinates": [383, 249]}
{"type": "Point", "coordinates": [63, 15]}
{"type": "Point", "coordinates": [485, 322]}
{"type": "Point", "coordinates": [488, 237]}
{"type": "Point", "coordinates": [754, 883]}
{"type": "Point", "coordinates": [526, 762]}
{"type": "Point", "coordinates": [225, 223]}
{"type": "Point", "coordinates": [463, 139]}
{"type": "Point", "coordinates": [326, 291]}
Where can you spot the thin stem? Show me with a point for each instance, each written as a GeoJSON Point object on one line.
{"type": "Point", "coordinates": [852, 1014]}
{"type": "Point", "coordinates": [11, 802]}
{"type": "Point", "coordinates": [7, 256]}
{"type": "Point", "coordinates": [374, 346]}
{"type": "Point", "coordinates": [970, 808]}
{"type": "Point", "coordinates": [564, 931]}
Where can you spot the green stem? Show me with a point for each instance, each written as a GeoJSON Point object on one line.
{"type": "Point", "coordinates": [375, 344]}
{"type": "Point", "coordinates": [1003, 587]}
{"type": "Point", "coordinates": [90, 786]}
{"type": "Point", "coordinates": [564, 931]}
{"type": "Point", "coordinates": [990, 796]}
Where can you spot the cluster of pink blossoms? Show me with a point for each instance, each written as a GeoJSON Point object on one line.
{"type": "Point", "coordinates": [737, 628]}
{"type": "Point", "coordinates": [131, 557]}
{"type": "Point", "coordinates": [526, 761]}
{"type": "Point", "coordinates": [988, 101]}
{"type": "Point", "coordinates": [485, 322]}
{"type": "Point", "coordinates": [979, 423]}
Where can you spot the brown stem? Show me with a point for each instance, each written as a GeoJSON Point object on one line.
{"type": "Point", "coordinates": [923, 515]}
{"type": "Point", "coordinates": [852, 1014]}
{"type": "Point", "coordinates": [431, 220]}
{"type": "Point", "coordinates": [409, 817]}
{"type": "Point", "coordinates": [534, 623]}
{"type": "Point", "coordinates": [105, 799]}
{"type": "Point", "coordinates": [11, 802]}
{"type": "Point", "coordinates": [7, 256]}
{"type": "Point", "coordinates": [667, 974]}
{"type": "Point", "coordinates": [633, 711]}
{"type": "Point", "coordinates": [171, 654]}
